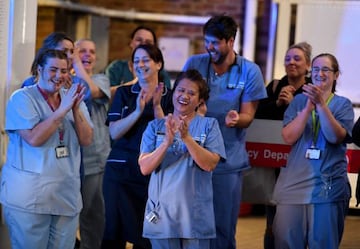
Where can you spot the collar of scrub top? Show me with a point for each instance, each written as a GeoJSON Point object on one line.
{"type": "Point", "coordinates": [231, 71]}
{"type": "Point", "coordinates": [136, 88]}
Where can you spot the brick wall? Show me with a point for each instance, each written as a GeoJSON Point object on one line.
{"type": "Point", "coordinates": [120, 29]}
{"type": "Point", "coordinates": [45, 24]}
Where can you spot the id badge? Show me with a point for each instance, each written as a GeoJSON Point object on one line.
{"type": "Point", "coordinates": [152, 217]}
{"type": "Point", "coordinates": [312, 153]}
{"type": "Point", "coordinates": [61, 151]}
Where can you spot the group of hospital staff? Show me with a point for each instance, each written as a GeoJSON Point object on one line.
{"type": "Point", "coordinates": [125, 157]}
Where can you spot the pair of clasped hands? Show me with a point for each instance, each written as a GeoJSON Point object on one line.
{"type": "Point", "coordinates": [174, 124]}
{"type": "Point", "coordinates": [286, 95]}
{"type": "Point", "coordinates": [313, 92]}
{"type": "Point", "coordinates": [73, 97]}
{"type": "Point", "coordinates": [316, 95]}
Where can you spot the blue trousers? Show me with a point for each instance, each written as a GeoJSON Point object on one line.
{"type": "Point", "coordinates": [92, 216]}
{"type": "Point", "coordinates": [40, 231]}
{"type": "Point", "coordinates": [125, 195]}
{"type": "Point", "coordinates": [180, 243]}
{"type": "Point", "coordinates": [227, 197]}
{"type": "Point", "coordinates": [316, 226]}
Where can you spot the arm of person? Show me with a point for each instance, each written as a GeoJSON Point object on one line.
{"type": "Point", "coordinates": [244, 118]}
{"type": "Point", "coordinates": [150, 161]}
{"type": "Point", "coordinates": [120, 127]}
{"type": "Point", "coordinates": [204, 158]}
{"type": "Point", "coordinates": [41, 132]}
{"type": "Point", "coordinates": [331, 128]}
{"type": "Point", "coordinates": [158, 111]}
{"type": "Point", "coordinates": [81, 73]}
{"type": "Point", "coordinates": [113, 91]}
{"type": "Point", "coordinates": [294, 129]}
{"type": "Point", "coordinates": [83, 128]}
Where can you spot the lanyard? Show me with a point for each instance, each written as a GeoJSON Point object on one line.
{"type": "Point", "coordinates": [316, 122]}
{"type": "Point", "coordinates": [45, 96]}
{"type": "Point", "coordinates": [61, 127]}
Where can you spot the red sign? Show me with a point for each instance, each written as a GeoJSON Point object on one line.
{"type": "Point", "coordinates": [275, 155]}
{"type": "Point", "coordinates": [267, 155]}
{"type": "Point", "coordinates": [266, 148]}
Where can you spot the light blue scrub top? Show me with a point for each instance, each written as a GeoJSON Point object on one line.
{"type": "Point", "coordinates": [180, 192]}
{"type": "Point", "coordinates": [95, 155]}
{"type": "Point", "coordinates": [305, 181]}
{"type": "Point", "coordinates": [242, 83]}
{"type": "Point", "coordinates": [33, 179]}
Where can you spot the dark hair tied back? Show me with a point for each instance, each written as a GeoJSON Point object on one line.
{"type": "Point", "coordinates": [45, 54]}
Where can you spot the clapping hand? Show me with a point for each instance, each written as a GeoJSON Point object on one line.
{"type": "Point", "coordinates": [314, 93]}
{"type": "Point", "coordinates": [157, 94]}
{"type": "Point", "coordinates": [286, 95]}
{"type": "Point", "coordinates": [232, 118]}
{"type": "Point", "coordinates": [73, 97]}
{"type": "Point", "coordinates": [171, 128]}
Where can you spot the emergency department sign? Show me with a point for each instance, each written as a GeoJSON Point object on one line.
{"type": "Point", "coordinates": [266, 147]}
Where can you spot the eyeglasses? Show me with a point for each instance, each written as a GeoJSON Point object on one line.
{"type": "Point", "coordinates": [323, 69]}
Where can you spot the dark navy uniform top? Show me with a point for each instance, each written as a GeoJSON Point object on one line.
{"type": "Point", "coordinates": [127, 148]}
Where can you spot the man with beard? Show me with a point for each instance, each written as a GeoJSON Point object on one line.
{"type": "Point", "coordinates": [236, 86]}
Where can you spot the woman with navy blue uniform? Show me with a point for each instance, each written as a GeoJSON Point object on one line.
{"type": "Point", "coordinates": [125, 188]}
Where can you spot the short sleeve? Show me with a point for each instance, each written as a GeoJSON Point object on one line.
{"type": "Point", "coordinates": [214, 141]}
{"type": "Point", "coordinates": [102, 81]}
{"type": "Point", "coordinates": [21, 112]}
{"type": "Point", "coordinates": [149, 137]}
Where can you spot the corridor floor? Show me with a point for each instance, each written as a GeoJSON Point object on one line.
{"type": "Point", "coordinates": [250, 230]}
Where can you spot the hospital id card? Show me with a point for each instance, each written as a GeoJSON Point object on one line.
{"type": "Point", "coordinates": [312, 153]}
{"type": "Point", "coordinates": [62, 151]}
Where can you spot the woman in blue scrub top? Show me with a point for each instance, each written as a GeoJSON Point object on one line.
{"type": "Point", "coordinates": [312, 192]}
{"type": "Point", "coordinates": [40, 185]}
{"type": "Point", "coordinates": [180, 152]}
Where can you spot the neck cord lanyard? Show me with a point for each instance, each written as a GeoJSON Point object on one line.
{"type": "Point", "coordinates": [46, 97]}
{"type": "Point", "coordinates": [316, 122]}
{"type": "Point", "coordinates": [61, 127]}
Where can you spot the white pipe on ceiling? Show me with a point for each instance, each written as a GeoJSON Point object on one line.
{"type": "Point", "coordinates": [129, 14]}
